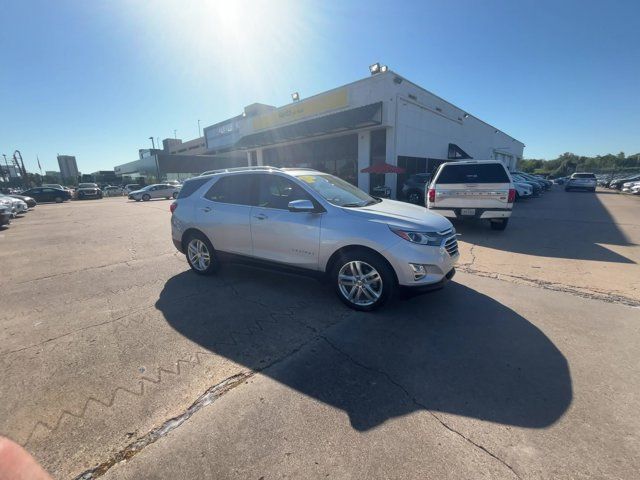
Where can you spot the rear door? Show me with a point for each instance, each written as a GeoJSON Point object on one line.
{"type": "Point", "coordinates": [472, 185]}
{"type": "Point", "coordinates": [223, 213]}
{"type": "Point", "coordinates": [278, 234]}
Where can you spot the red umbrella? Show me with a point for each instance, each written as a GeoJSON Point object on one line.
{"type": "Point", "coordinates": [383, 168]}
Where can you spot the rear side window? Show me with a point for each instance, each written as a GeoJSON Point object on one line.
{"type": "Point", "coordinates": [584, 175]}
{"type": "Point", "coordinates": [191, 186]}
{"type": "Point", "coordinates": [236, 189]}
{"type": "Point", "coordinates": [473, 173]}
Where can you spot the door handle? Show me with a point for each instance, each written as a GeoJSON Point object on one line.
{"type": "Point", "coordinates": [260, 216]}
{"type": "Point", "coordinates": [206, 209]}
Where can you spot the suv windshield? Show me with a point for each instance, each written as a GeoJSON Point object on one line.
{"type": "Point", "coordinates": [338, 192]}
{"type": "Point", "coordinates": [473, 173]}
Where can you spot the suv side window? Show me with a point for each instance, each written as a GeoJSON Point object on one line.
{"type": "Point", "coordinates": [234, 189]}
{"type": "Point", "coordinates": [275, 191]}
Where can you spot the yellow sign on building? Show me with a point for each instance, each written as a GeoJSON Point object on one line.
{"type": "Point", "coordinates": [300, 110]}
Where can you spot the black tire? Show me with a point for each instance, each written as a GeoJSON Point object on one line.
{"type": "Point", "coordinates": [146, 197]}
{"type": "Point", "coordinates": [385, 287]}
{"type": "Point", "coordinates": [213, 264]}
{"type": "Point", "coordinates": [81, 196]}
{"type": "Point", "coordinates": [499, 224]}
{"type": "Point", "coordinates": [175, 195]}
{"type": "Point", "coordinates": [415, 197]}
{"type": "Point", "coordinates": [58, 200]}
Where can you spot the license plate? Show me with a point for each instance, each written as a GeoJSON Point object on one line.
{"type": "Point", "coordinates": [467, 211]}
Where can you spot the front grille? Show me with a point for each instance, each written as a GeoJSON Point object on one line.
{"type": "Point", "coordinates": [451, 246]}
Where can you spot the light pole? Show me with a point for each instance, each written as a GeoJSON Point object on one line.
{"type": "Point", "coordinates": [21, 167]}
{"type": "Point", "coordinates": [199, 134]}
{"type": "Point", "coordinates": [153, 143]}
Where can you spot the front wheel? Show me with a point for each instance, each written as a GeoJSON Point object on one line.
{"type": "Point", "coordinates": [363, 281]}
{"type": "Point", "coordinates": [58, 199]}
{"type": "Point", "coordinates": [175, 195]}
{"type": "Point", "coordinates": [201, 255]}
{"type": "Point", "coordinates": [499, 224]}
{"type": "Point", "coordinates": [146, 197]}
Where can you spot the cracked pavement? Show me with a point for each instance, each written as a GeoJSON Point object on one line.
{"type": "Point", "coordinates": [116, 360]}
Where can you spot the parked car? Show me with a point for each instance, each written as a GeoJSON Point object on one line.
{"type": "Point", "coordinates": [88, 190]}
{"type": "Point", "coordinates": [47, 194]}
{"type": "Point", "coordinates": [112, 191]}
{"type": "Point", "coordinates": [628, 186]}
{"type": "Point", "coordinates": [131, 187]}
{"type": "Point", "coordinates": [16, 205]}
{"type": "Point", "coordinates": [635, 190]}
{"type": "Point", "coordinates": [473, 189]}
{"type": "Point", "coordinates": [415, 187]}
{"type": "Point", "coordinates": [313, 222]}
{"type": "Point", "coordinates": [544, 184]}
{"type": "Point", "coordinates": [5, 215]}
{"type": "Point", "coordinates": [54, 185]}
{"type": "Point", "coordinates": [581, 181]}
{"type": "Point", "coordinates": [537, 188]}
{"type": "Point", "coordinates": [617, 183]}
{"type": "Point", "coordinates": [31, 203]}
{"type": "Point", "coordinates": [159, 190]}
{"type": "Point", "coordinates": [523, 190]}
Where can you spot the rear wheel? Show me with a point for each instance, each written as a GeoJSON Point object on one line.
{"type": "Point", "coordinates": [58, 199]}
{"type": "Point", "coordinates": [414, 197]}
{"type": "Point", "coordinates": [146, 197]}
{"type": "Point", "coordinates": [363, 281]}
{"type": "Point", "coordinates": [200, 254]}
{"type": "Point", "coordinates": [499, 224]}
{"type": "Point", "coordinates": [175, 195]}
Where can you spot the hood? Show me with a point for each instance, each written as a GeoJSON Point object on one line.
{"type": "Point", "coordinates": [402, 215]}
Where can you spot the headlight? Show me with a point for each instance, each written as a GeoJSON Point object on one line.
{"type": "Point", "coordinates": [421, 238]}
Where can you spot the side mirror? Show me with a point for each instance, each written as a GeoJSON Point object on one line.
{"type": "Point", "coordinates": [301, 206]}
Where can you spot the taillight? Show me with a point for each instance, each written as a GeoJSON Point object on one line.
{"type": "Point", "coordinates": [432, 195]}
{"type": "Point", "coordinates": [173, 206]}
{"type": "Point", "coordinates": [512, 195]}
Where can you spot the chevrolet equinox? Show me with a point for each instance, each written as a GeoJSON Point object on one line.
{"type": "Point", "coordinates": [311, 221]}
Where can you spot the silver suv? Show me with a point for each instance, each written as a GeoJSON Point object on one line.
{"type": "Point", "coordinates": [311, 221]}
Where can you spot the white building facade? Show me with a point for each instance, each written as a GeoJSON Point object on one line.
{"type": "Point", "coordinates": [380, 119]}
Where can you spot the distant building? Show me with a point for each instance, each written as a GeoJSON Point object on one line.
{"type": "Point", "coordinates": [104, 176]}
{"type": "Point", "coordinates": [68, 167]}
{"type": "Point", "coordinates": [176, 146]}
{"type": "Point", "coordinates": [53, 175]}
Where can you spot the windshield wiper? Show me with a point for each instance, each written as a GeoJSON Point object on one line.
{"type": "Point", "coordinates": [353, 205]}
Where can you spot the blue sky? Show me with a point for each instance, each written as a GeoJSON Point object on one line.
{"type": "Point", "coordinates": [95, 79]}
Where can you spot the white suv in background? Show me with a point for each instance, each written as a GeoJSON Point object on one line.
{"type": "Point", "coordinates": [473, 189]}
{"type": "Point", "coordinates": [309, 221]}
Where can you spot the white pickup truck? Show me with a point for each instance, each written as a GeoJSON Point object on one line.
{"type": "Point", "coordinates": [473, 189]}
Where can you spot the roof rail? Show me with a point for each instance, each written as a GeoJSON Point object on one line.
{"type": "Point", "coordinates": [239, 169]}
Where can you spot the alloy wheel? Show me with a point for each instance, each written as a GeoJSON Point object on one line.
{"type": "Point", "coordinates": [199, 255]}
{"type": "Point", "coordinates": [360, 283]}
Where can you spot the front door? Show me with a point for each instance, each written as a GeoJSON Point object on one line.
{"type": "Point", "coordinates": [279, 235]}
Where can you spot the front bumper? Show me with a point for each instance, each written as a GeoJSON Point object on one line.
{"type": "Point", "coordinates": [417, 289]}
{"type": "Point", "coordinates": [437, 261]}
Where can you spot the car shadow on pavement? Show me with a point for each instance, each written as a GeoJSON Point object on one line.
{"type": "Point", "coordinates": [455, 350]}
{"type": "Point", "coordinates": [572, 225]}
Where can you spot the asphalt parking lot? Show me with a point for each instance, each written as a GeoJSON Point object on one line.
{"type": "Point", "coordinates": [525, 366]}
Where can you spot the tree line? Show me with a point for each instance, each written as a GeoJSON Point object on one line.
{"type": "Point", "coordinates": [568, 163]}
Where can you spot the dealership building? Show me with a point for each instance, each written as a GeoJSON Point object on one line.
{"type": "Point", "coordinates": [381, 121]}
